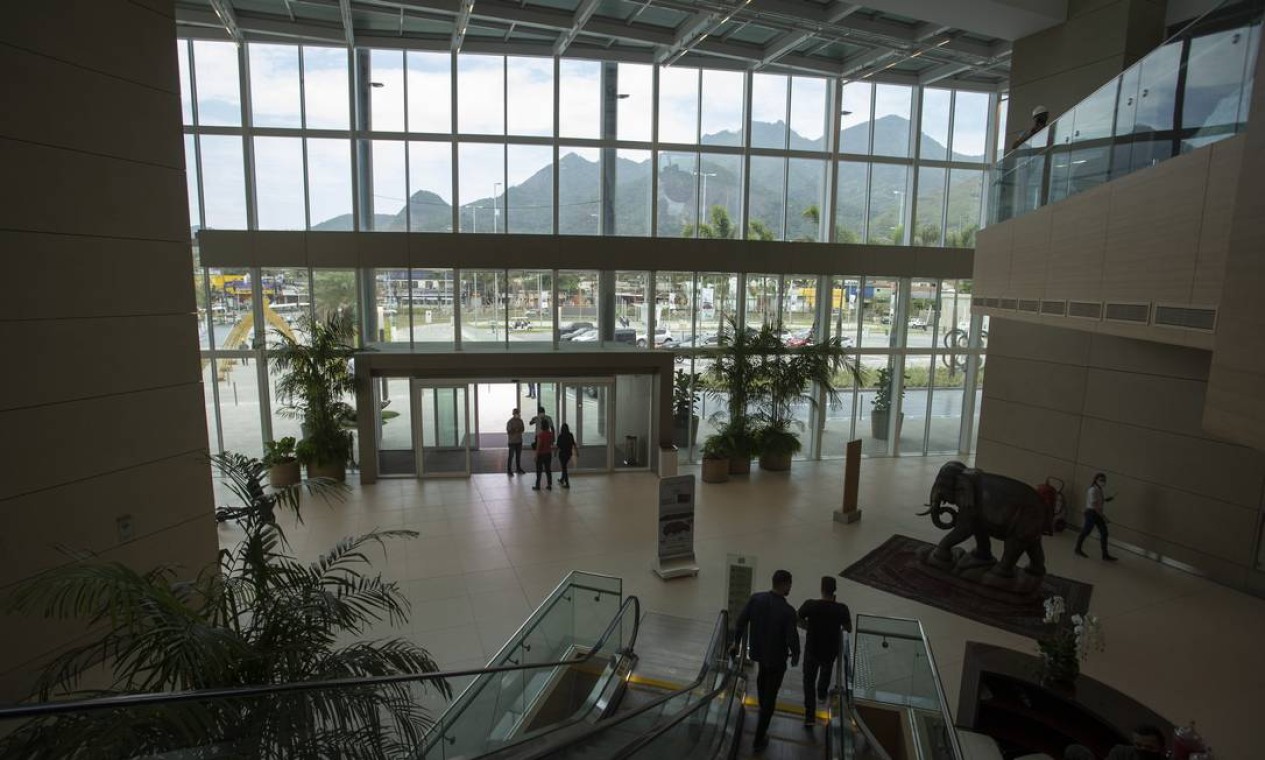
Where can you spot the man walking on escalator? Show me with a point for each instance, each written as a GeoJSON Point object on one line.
{"type": "Point", "coordinates": [773, 637]}
{"type": "Point", "coordinates": [825, 620]}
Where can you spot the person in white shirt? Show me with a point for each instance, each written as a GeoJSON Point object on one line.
{"type": "Point", "coordinates": [1094, 500]}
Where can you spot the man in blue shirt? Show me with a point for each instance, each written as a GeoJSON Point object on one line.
{"type": "Point", "coordinates": [773, 638]}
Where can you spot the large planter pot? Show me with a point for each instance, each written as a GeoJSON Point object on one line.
{"type": "Point", "coordinates": [775, 462]}
{"type": "Point", "coordinates": [329, 470]}
{"type": "Point", "coordinates": [878, 424]}
{"type": "Point", "coordinates": [715, 470]}
{"type": "Point", "coordinates": [285, 474]}
{"type": "Point", "coordinates": [739, 465]}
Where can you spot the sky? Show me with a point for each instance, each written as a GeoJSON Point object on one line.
{"type": "Point", "coordinates": [415, 96]}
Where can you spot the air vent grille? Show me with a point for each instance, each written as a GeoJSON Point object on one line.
{"type": "Point", "coordinates": [1029, 305]}
{"type": "Point", "coordinates": [1055, 308]}
{"type": "Point", "coordinates": [990, 303]}
{"type": "Point", "coordinates": [1128, 312]}
{"type": "Point", "coordinates": [1006, 303]}
{"type": "Point", "coordinates": [1186, 317]}
{"type": "Point", "coordinates": [1084, 309]}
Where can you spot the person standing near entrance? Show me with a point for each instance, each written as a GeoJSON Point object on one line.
{"type": "Point", "coordinates": [514, 432]}
{"type": "Point", "coordinates": [544, 455]}
{"type": "Point", "coordinates": [824, 620]}
{"type": "Point", "coordinates": [773, 637]}
{"type": "Point", "coordinates": [566, 449]}
{"type": "Point", "coordinates": [1094, 517]}
{"type": "Point", "coordinates": [540, 420]}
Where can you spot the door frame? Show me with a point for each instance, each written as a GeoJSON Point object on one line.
{"type": "Point", "coordinates": [422, 416]}
{"type": "Point", "coordinates": [580, 384]}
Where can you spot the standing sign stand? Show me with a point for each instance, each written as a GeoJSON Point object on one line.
{"type": "Point", "coordinates": [739, 586]}
{"type": "Point", "coordinates": [851, 479]}
{"type": "Point", "coordinates": [676, 527]}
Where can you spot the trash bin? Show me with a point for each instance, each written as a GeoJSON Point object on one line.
{"type": "Point", "coordinates": [630, 451]}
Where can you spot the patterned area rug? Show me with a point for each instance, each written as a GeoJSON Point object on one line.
{"type": "Point", "coordinates": [895, 568]}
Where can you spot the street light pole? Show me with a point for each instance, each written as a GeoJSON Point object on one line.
{"type": "Point", "coordinates": [702, 201]}
{"type": "Point", "coordinates": [496, 209]}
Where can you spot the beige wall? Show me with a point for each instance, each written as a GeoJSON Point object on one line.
{"type": "Point", "coordinates": [105, 417]}
{"type": "Point", "coordinates": [1069, 403]}
{"type": "Point", "coordinates": [1060, 66]}
{"type": "Point", "coordinates": [1157, 236]}
{"type": "Point", "coordinates": [1236, 392]}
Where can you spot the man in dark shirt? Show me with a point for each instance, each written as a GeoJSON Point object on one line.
{"type": "Point", "coordinates": [772, 639]}
{"type": "Point", "coordinates": [824, 619]}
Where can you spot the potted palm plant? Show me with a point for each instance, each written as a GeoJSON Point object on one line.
{"type": "Point", "coordinates": [784, 379]}
{"type": "Point", "coordinates": [716, 451]}
{"type": "Point", "coordinates": [258, 617]}
{"type": "Point", "coordinates": [734, 375]}
{"type": "Point", "coordinates": [880, 416]}
{"type": "Point", "coordinates": [684, 407]}
{"type": "Point", "coordinates": [282, 464]}
{"type": "Point", "coordinates": [315, 379]}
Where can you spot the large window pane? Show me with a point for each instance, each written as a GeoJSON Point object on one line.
{"type": "Point", "coordinates": [854, 126]}
{"type": "Point", "coordinates": [891, 120]}
{"type": "Point", "coordinates": [223, 182]}
{"type": "Point", "coordinates": [970, 126]}
{"type": "Point", "coordinates": [808, 113]}
{"type": "Point", "coordinates": [232, 312]}
{"type": "Point", "coordinates": [386, 95]}
{"type": "Point", "coordinates": [766, 211]}
{"type": "Point", "coordinates": [481, 94]}
{"type": "Point", "coordinates": [482, 300]}
{"type": "Point", "coordinates": [632, 293]}
{"type": "Point", "coordinates": [913, 423]}
{"type": "Point", "coordinates": [216, 78]}
{"type": "Point", "coordinates": [391, 304]}
{"type": "Point", "coordinates": [1214, 76]}
{"type": "Point", "coordinates": [878, 310]}
{"type": "Point", "coordinates": [287, 300]}
{"type": "Point", "coordinates": [722, 108]}
{"type": "Point", "coordinates": [577, 298]}
{"type": "Point", "coordinates": [678, 194]}
{"type": "Point", "coordinates": [530, 198]}
{"type": "Point", "coordinates": [674, 315]}
{"type": "Point", "coordinates": [274, 85]}
{"type": "Point", "coordinates": [799, 310]}
{"type": "Point", "coordinates": [279, 183]}
{"type": "Point", "coordinates": [930, 206]}
{"type": "Point", "coordinates": [530, 312]}
{"type": "Point", "coordinates": [845, 309]}
{"type": "Point", "coordinates": [580, 189]}
{"type": "Point", "coordinates": [430, 187]}
{"type": "Point", "coordinates": [805, 197]}
{"type": "Point", "coordinates": [966, 188]}
{"type": "Point", "coordinates": [850, 195]}
{"type": "Point", "coordinates": [632, 193]}
{"type": "Point", "coordinates": [678, 105]}
{"type": "Point", "coordinates": [768, 111]}
{"type": "Point", "coordinates": [717, 302]}
{"type": "Point", "coordinates": [237, 378]}
{"type": "Point", "coordinates": [921, 314]}
{"type": "Point", "coordinates": [335, 290]}
{"type": "Point", "coordinates": [329, 184]}
{"type": "Point", "coordinates": [887, 204]}
{"type": "Point", "coordinates": [481, 167]}
{"type": "Point", "coordinates": [529, 94]}
{"type": "Point", "coordinates": [431, 297]}
{"type": "Point", "coordinates": [635, 112]}
{"type": "Point", "coordinates": [935, 124]}
{"type": "Point", "coordinates": [762, 300]}
{"type": "Point", "coordinates": [186, 87]}
{"type": "Point", "coordinates": [720, 191]}
{"type": "Point", "coordinates": [390, 188]}
{"type": "Point", "coordinates": [579, 99]}
{"type": "Point", "coordinates": [325, 88]}
{"type": "Point", "coordinates": [429, 92]}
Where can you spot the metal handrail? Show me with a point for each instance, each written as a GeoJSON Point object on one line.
{"type": "Point", "coordinates": [719, 631]}
{"type": "Point", "coordinates": [237, 692]}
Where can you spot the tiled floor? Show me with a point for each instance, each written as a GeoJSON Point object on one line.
{"type": "Point", "coordinates": [490, 549]}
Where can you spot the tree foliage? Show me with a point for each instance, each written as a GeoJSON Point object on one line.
{"type": "Point", "coordinates": [256, 617]}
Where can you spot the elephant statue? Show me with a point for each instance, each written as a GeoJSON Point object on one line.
{"type": "Point", "coordinates": [969, 502]}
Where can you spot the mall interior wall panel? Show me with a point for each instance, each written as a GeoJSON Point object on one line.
{"type": "Point", "coordinates": [1179, 491]}
{"type": "Point", "coordinates": [111, 277]}
{"type": "Point", "coordinates": [1153, 230]}
{"type": "Point", "coordinates": [1236, 404]}
{"type": "Point", "coordinates": [278, 249]}
{"type": "Point", "coordinates": [1058, 67]}
{"type": "Point", "coordinates": [381, 251]}
{"type": "Point", "coordinates": [119, 355]}
{"type": "Point", "coordinates": [92, 214]}
{"type": "Point", "coordinates": [1218, 219]}
{"type": "Point", "coordinates": [1078, 231]}
{"type": "Point", "coordinates": [1030, 254]}
{"type": "Point", "coordinates": [993, 247]}
{"type": "Point", "coordinates": [1036, 428]}
{"type": "Point", "coordinates": [134, 137]}
{"type": "Point", "coordinates": [324, 249]}
{"type": "Point", "coordinates": [1039, 382]}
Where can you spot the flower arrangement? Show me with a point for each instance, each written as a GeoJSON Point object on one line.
{"type": "Point", "coordinates": [1071, 642]}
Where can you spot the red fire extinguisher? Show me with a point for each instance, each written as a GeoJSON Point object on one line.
{"type": "Point", "coordinates": [1051, 493]}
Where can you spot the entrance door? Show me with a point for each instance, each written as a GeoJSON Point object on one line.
{"type": "Point", "coordinates": [442, 429]}
{"type": "Point", "coordinates": [586, 407]}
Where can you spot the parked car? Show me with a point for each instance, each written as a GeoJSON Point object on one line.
{"type": "Point", "coordinates": [662, 337]}
{"type": "Point", "coordinates": [569, 332]}
{"type": "Point", "coordinates": [918, 323]}
{"type": "Point", "coordinates": [590, 335]}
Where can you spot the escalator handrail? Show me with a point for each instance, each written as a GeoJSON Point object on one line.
{"type": "Point", "coordinates": [729, 684]}
{"type": "Point", "coordinates": [719, 632]}
{"type": "Point", "coordinates": [238, 692]}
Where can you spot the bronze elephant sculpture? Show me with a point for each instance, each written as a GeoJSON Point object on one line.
{"type": "Point", "coordinates": [972, 503]}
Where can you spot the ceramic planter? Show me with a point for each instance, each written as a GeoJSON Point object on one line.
{"type": "Point", "coordinates": [715, 470]}
{"type": "Point", "coordinates": [284, 474]}
{"type": "Point", "coordinates": [739, 465]}
{"type": "Point", "coordinates": [332, 471]}
{"type": "Point", "coordinates": [775, 462]}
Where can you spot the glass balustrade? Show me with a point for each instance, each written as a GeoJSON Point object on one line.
{"type": "Point", "coordinates": [1190, 92]}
